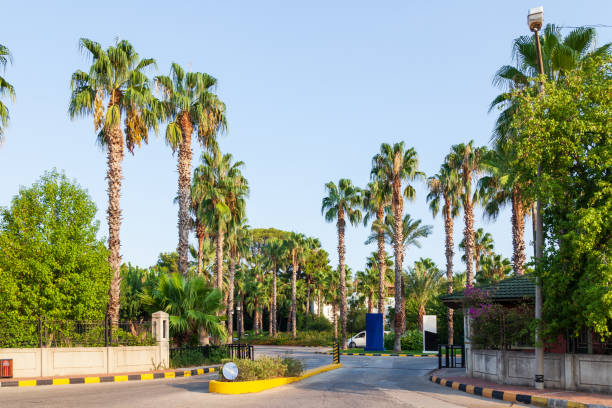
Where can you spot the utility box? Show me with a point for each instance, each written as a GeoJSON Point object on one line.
{"type": "Point", "coordinates": [6, 368]}
{"type": "Point", "coordinates": [374, 332]}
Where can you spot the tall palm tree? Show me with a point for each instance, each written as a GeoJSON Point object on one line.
{"type": "Point", "coordinates": [218, 183]}
{"type": "Point", "coordinates": [115, 78]}
{"type": "Point", "coordinates": [393, 166]}
{"type": "Point", "coordinates": [494, 268]}
{"type": "Point", "coordinates": [332, 284]}
{"type": "Point", "coordinates": [483, 246]}
{"type": "Point", "coordinates": [275, 251]}
{"type": "Point", "coordinates": [466, 160]}
{"type": "Point", "coordinates": [189, 102]}
{"type": "Point", "coordinates": [423, 284]}
{"type": "Point", "coordinates": [5, 89]}
{"type": "Point", "coordinates": [444, 191]}
{"type": "Point", "coordinates": [238, 240]}
{"type": "Point", "coordinates": [341, 203]}
{"type": "Point", "coordinates": [375, 198]}
{"type": "Point", "coordinates": [295, 245]}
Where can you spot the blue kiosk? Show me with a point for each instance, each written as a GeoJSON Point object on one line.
{"type": "Point", "coordinates": [374, 332]}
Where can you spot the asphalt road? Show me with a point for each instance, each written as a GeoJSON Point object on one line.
{"type": "Point", "coordinates": [362, 382]}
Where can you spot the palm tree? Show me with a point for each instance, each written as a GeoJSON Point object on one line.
{"type": "Point", "coordinates": [294, 245]}
{"type": "Point", "coordinates": [342, 202]}
{"type": "Point", "coordinates": [494, 268]}
{"type": "Point", "coordinates": [483, 246]}
{"type": "Point", "coordinates": [189, 102]}
{"type": "Point", "coordinates": [5, 89]}
{"type": "Point", "coordinates": [191, 303]}
{"type": "Point", "coordinates": [116, 79]}
{"type": "Point", "coordinates": [238, 240]}
{"type": "Point", "coordinates": [218, 183]}
{"type": "Point", "coordinates": [332, 284]}
{"type": "Point", "coordinates": [423, 284]}
{"type": "Point", "coordinates": [275, 251]}
{"type": "Point", "coordinates": [375, 198]}
{"type": "Point", "coordinates": [392, 166]}
{"type": "Point", "coordinates": [444, 187]}
{"type": "Point", "coordinates": [466, 160]}
{"type": "Point", "coordinates": [366, 284]}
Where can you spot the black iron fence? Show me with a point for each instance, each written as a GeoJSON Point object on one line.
{"type": "Point", "coordinates": [588, 343]}
{"type": "Point", "coordinates": [45, 332]}
{"type": "Point", "coordinates": [239, 350]}
{"type": "Point", "coordinates": [451, 356]}
{"type": "Point", "coordinates": [187, 356]}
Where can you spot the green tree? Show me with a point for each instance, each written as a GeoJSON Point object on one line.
{"type": "Point", "coordinates": [466, 160]}
{"type": "Point", "coordinates": [423, 283]}
{"type": "Point", "coordinates": [493, 268]}
{"type": "Point", "coordinates": [5, 89]}
{"type": "Point", "coordinates": [444, 189]}
{"type": "Point", "coordinates": [395, 165]}
{"type": "Point", "coordinates": [115, 79]}
{"type": "Point", "coordinates": [375, 198]}
{"type": "Point", "coordinates": [483, 246]}
{"type": "Point", "coordinates": [51, 263]}
{"type": "Point", "coordinates": [366, 284]}
{"type": "Point", "coordinates": [342, 202]}
{"type": "Point", "coordinates": [275, 251]}
{"type": "Point", "coordinates": [238, 240]}
{"type": "Point", "coordinates": [566, 131]}
{"type": "Point", "coordinates": [189, 102]}
{"type": "Point", "coordinates": [191, 303]}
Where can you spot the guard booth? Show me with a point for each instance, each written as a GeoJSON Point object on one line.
{"type": "Point", "coordinates": [430, 334]}
{"type": "Point", "coordinates": [374, 332]}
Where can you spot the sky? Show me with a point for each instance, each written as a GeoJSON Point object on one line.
{"type": "Point", "coordinates": [312, 90]}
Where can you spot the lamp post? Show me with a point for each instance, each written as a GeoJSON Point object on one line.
{"type": "Point", "coordinates": [535, 19]}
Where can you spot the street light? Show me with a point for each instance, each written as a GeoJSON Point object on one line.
{"type": "Point", "coordinates": [535, 19]}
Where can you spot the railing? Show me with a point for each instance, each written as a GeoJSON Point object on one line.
{"type": "Point", "coordinates": [75, 333]}
{"type": "Point", "coordinates": [450, 356]}
{"type": "Point", "coordinates": [238, 350]}
{"type": "Point", "coordinates": [215, 353]}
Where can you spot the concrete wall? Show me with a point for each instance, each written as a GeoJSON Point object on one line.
{"type": "Point", "coordinates": [46, 362]}
{"type": "Point", "coordinates": [583, 372]}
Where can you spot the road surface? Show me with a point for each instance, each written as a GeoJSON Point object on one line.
{"type": "Point", "coordinates": [362, 382]}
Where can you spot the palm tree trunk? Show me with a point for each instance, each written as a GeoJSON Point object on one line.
{"type": "Point", "coordinates": [273, 307]}
{"type": "Point", "coordinates": [307, 297]}
{"type": "Point", "coordinates": [370, 302]}
{"type": "Point", "coordinates": [518, 233]}
{"type": "Point", "coordinates": [343, 303]}
{"type": "Point", "coordinates": [200, 235]}
{"type": "Point", "coordinates": [230, 299]}
{"type": "Point", "coordinates": [448, 229]}
{"type": "Point", "coordinates": [293, 296]}
{"type": "Point", "coordinates": [319, 302]}
{"type": "Point", "coordinates": [381, 261]}
{"type": "Point", "coordinates": [420, 314]}
{"type": "Point", "coordinates": [184, 193]}
{"type": "Point", "coordinates": [114, 160]}
{"type": "Point", "coordinates": [398, 209]}
{"type": "Point", "coordinates": [241, 327]}
{"type": "Point", "coordinates": [335, 319]}
{"type": "Point", "coordinates": [468, 233]}
{"type": "Point", "coordinates": [260, 316]}
{"type": "Point", "coordinates": [219, 261]}
{"type": "Point", "coordinates": [256, 317]}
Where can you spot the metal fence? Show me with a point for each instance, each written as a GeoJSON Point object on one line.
{"type": "Point", "coordinates": [213, 353]}
{"type": "Point", "coordinates": [447, 356]}
{"type": "Point", "coordinates": [75, 333]}
{"type": "Point", "coordinates": [588, 343]}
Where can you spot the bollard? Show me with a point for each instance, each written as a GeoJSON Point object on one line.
{"type": "Point", "coordinates": [336, 353]}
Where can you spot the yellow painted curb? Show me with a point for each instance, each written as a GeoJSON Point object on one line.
{"type": "Point", "coordinates": [245, 387]}
{"type": "Point", "coordinates": [61, 381]}
{"type": "Point", "coordinates": [121, 378]}
{"type": "Point", "coordinates": [146, 376]}
{"type": "Point", "coordinates": [27, 383]}
{"type": "Point", "coordinates": [92, 380]}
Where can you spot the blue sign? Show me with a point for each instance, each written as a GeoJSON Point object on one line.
{"type": "Point", "coordinates": [374, 332]}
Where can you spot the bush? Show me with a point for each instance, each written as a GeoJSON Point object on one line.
{"type": "Point", "coordinates": [265, 368]}
{"type": "Point", "coordinates": [411, 340]}
{"type": "Point", "coordinates": [314, 323]}
{"type": "Point", "coordinates": [305, 338]}
{"type": "Point", "coordinates": [197, 356]}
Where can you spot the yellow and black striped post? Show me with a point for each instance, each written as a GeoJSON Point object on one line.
{"type": "Point", "coordinates": [336, 353]}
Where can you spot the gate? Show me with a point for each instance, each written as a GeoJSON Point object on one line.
{"type": "Point", "coordinates": [450, 356]}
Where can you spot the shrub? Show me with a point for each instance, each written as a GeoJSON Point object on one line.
{"type": "Point", "coordinates": [313, 322]}
{"type": "Point", "coordinates": [411, 340]}
{"type": "Point", "coordinates": [264, 368]}
{"type": "Point", "coordinates": [304, 338]}
{"type": "Point", "coordinates": [186, 358]}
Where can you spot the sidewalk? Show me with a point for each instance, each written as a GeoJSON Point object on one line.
{"type": "Point", "coordinates": [114, 377]}
{"type": "Point", "coordinates": [458, 375]}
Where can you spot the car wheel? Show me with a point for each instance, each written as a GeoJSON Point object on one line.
{"type": "Point", "coordinates": [352, 344]}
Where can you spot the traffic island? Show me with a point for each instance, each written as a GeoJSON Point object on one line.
{"type": "Point", "coordinates": [246, 387]}
{"type": "Point", "coordinates": [528, 396]}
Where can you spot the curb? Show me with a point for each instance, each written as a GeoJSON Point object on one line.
{"type": "Point", "coordinates": [246, 387]}
{"type": "Point", "coordinates": [381, 354]}
{"type": "Point", "coordinates": [512, 397]}
{"type": "Point", "coordinates": [110, 378]}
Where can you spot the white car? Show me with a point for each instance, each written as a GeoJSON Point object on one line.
{"type": "Point", "coordinates": [359, 340]}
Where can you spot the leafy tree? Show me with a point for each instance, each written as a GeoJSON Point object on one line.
{"type": "Point", "coordinates": [189, 102]}
{"type": "Point", "coordinates": [444, 190]}
{"type": "Point", "coordinates": [395, 165]}
{"type": "Point", "coordinates": [483, 246]}
{"type": "Point", "coordinates": [466, 160]}
{"type": "Point", "coordinates": [191, 303]}
{"type": "Point", "coordinates": [342, 202]}
{"type": "Point", "coordinates": [366, 284]}
{"type": "Point", "coordinates": [566, 131]}
{"type": "Point", "coordinates": [493, 268]}
{"type": "Point", "coordinates": [423, 283]}
{"type": "Point", "coordinates": [51, 263]}
{"type": "Point", "coordinates": [115, 79]}
{"type": "Point", "coordinates": [5, 89]}
{"type": "Point", "coordinates": [134, 281]}
{"type": "Point", "coordinates": [238, 244]}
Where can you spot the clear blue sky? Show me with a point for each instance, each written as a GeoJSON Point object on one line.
{"type": "Point", "coordinates": [311, 91]}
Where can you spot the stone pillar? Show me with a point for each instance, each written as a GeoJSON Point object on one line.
{"type": "Point", "coordinates": [469, 366]}
{"type": "Point", "coordinates": [160, 327]}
